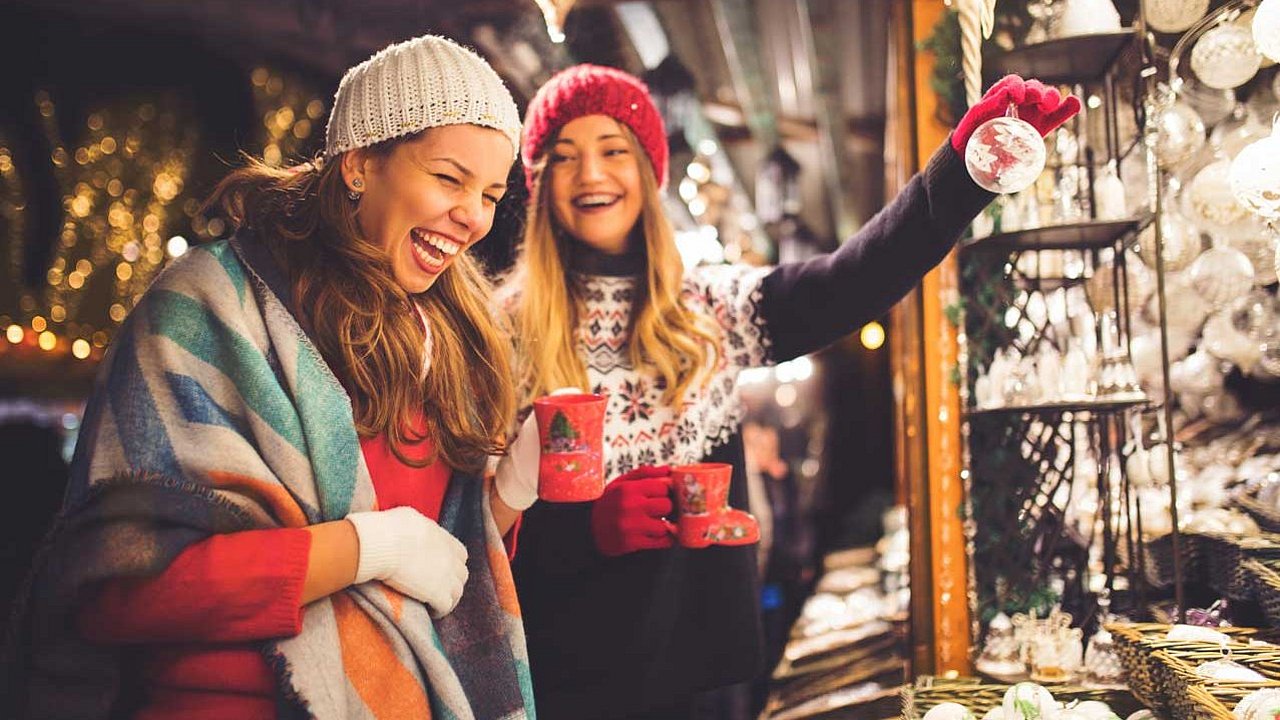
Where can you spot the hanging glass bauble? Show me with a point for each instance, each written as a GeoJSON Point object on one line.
{"type": "Point", "coordinates": [1223, 341]}
{"type": "Point", "coordinates": [1221, 275]}
{"type": "Point", "coordinates": [1255, 314]}
{"type": "Point", "coordinates": [1005, 155]}
{"type": "Point", "coordinates": [1266, 29]}
{"type": "Point", "coordinates": [1235, 133]}
{"type": "Point", "coordinates": [1185, 310]}
{"type": "Point", "coordinates": [1259, 246]}
{"type": "Point", "coordinates": [1212, 104]}
{"type": "Point", "coordinates": [1109, 194]}
{"type": "Point", "coordinates": [1208, 201]}
{"type": "Point", "coordinates": [1179, 134]}
{"type": "Point", "coordinates": [1225, 57]}
{"type": "Point", "coordinates": [1173, 16]}
{"type": "Point", "coordinates": [1082, 17]}
{"type": "Point", "coordinates": [1181, 243]}
{"type": "Point", "coordinates": [1254, 176]}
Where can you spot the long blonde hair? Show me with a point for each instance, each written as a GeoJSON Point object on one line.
{"type": "Point", "coordinates": [363, 322]}
{"type": "Point", "coordinates": [665, 335]}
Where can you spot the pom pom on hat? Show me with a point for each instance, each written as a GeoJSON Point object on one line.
{"type": "Point", "coordinates": [594, 90]}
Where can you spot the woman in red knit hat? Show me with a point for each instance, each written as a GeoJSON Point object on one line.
{"type": "Point", "coordinates": [620, 621]}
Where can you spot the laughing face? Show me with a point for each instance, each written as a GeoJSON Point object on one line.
{"type": "Point", "coordinates": [431, 198]}
{"type": "Point", "coordinates": [594, 170]}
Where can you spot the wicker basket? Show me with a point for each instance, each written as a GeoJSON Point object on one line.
{"type": "Point", "coordinates": [1158, 565]}
{"type": "Point", "coordinates": [1136, 644]}
{"type": "Point", "coordinates": [981, 697]}
{"type": "Point", "coordinates": [1265, 577]}
{"type": "Point", "coordinates": [1267, 517]}
{"type": "Point", "coordinates": [1224, 556]}
{"type": "Point", "coordinates": [1212, 699]}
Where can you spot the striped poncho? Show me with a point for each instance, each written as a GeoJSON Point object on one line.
{"type": "Point", "coordinates": [214, 413]}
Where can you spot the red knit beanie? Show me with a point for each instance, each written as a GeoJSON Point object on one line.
{"type": "Point", "coordinates": [594, 90]}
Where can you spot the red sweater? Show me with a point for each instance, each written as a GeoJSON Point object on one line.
{"type": "Point", "coordinates": [203, 614]}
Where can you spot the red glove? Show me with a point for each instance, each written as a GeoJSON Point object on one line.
{"type": "Point", "coordinates": [628, 516]}
{"type": "Point", "coordinates": [1043, 107]}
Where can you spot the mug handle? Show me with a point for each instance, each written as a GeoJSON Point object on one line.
{"type": "Point", "coordinates": [671, 527]}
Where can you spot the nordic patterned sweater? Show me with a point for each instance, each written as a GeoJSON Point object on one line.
{"type": "Point", "coordinates": [614, 636]}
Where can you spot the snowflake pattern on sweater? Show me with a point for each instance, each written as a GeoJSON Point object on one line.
{"type": "Point", "coordinates": [639, 428]}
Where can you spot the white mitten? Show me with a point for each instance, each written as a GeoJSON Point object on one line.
{"type": "Point", "coordinates": [516, 478]}
{"type": "Point", "coordinates": [411, 553]}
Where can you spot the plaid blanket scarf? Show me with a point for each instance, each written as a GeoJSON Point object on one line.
{"type": "Point", "coordinates": [214, 413]}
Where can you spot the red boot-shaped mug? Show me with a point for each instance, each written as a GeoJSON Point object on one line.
{"type": "Point", "coordinates": [702, 498]}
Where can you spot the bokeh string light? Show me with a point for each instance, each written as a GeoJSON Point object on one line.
{"type": "Point", "coordinates": [125, 190]}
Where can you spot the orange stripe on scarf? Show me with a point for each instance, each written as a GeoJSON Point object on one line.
{"type": "Point", "coordinates": [274, 496]}
{"type": "Point", "coordinates": [379, 677]}
{"type": "Point", "coordinates": [503, 583]}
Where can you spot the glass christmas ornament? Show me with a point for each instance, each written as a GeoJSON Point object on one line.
{"type": "Point", "coordinates": [1185, 310]}
{"type": "Point", "coordinates": [1005, 155]}
{"type": "Point", "coordinates": [948, 711]}
{"type": "Point", "coordinates": [1173, 16]}
{"type": "Point", "coordinates": [1223, 341]}
{"type": "Point", "coordinates": [1225, 57]}
{"type": "Point", "coordinates": [1221, 275]}
{"type": "Point", "coordinates": [1254, 176]}
{"type": "Point", "coordinates": [1109, 194]}
{"type": "Point", "coordinates": [1179, 134]}
{"type": "Point", "coordinates": [1083, 17]}
{"type": "Point", "coordinates": [1259, 705]}
{"type": "Point", "coordinates": [1181, 243]}
{"type": "Point", "coordinates": [1236, 132]}
{"type": "Point", "coordinates": [1257, 244]}
{"type": "Point", "coordinates": [1208, 201]}
{"type": "Point", "coordinates": [1212, 104]}
{"type": "Point", "coordinates": [1266, 30]}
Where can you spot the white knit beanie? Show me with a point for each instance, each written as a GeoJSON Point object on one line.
{"type": "Point", "coordinates": [426, 82]}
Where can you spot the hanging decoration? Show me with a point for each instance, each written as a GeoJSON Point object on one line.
{"type": "Point", "coordinates": [1005, 154]}
{"type": "Point", "coordinates": [555, 12]}
{"type": "Point", "coordinates": [977, 19]}
{"type": "Point", "coordinates": [1173, 16]}
{"type": "Point", "coordinates": [1266, 29]}
{"type": "Point", "coordinates": [1255, 175]}
{"type": "Point", "coordinates": [1225, 57]}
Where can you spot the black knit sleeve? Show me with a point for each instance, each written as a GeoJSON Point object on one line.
{"type": "Point", "coordinates": [808, 305]}
{"type": "Point", "coordinates": [555, 539]}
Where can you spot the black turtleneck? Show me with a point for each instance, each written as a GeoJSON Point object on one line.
{"type": "Point", "coordinates": [586, 260]}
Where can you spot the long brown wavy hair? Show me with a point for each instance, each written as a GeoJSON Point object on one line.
{"type": "Point", "coordinates": [363, 323]}
{"type": "Point", "coordinates": [665, 335]}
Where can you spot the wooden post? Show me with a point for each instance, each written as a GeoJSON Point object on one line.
{"type": "Point", "coordinates": [928, 413]}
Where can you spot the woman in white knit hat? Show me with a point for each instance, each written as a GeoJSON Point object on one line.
{"type": "Point", "coordinates": [277, 506]}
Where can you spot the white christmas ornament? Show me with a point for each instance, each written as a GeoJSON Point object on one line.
{"type": "Point", "coordinates": [1181, 243]}
{"type": "Point", "coordinates": [1221, 275]}
{"type": "Point", "coordinates": [1179, 134]}
{"type": "Point", "coordinates": [1082, 17]}
{"type": "Point", "coordinates": [1266, 29]}
{"type": "Point", "coordinates": [1005, 155]}
{"type": "Point", "coordinates": [1225, 57]}
{"type": "Point", "coordinates": [1255, 175]}
{"type": "Point", "coordinates": [1173, 16]}
{"type": "Point", "coordinates": [1028, 701]}
{"type": "Point", "coordinates": [1208, 201]}
{"type": "Point", "coordinates": [948, 711]}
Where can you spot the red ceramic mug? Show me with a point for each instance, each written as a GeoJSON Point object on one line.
{"type": "Point", "coordinates": [702, 498]}
{"type": "Point", "coordinates": [571, 435]}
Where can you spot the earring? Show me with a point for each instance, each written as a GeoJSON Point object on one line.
{"type": "Point", "coordinates": [353, 196]}
{"type": "Point", "coordinates": [354, 193]}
